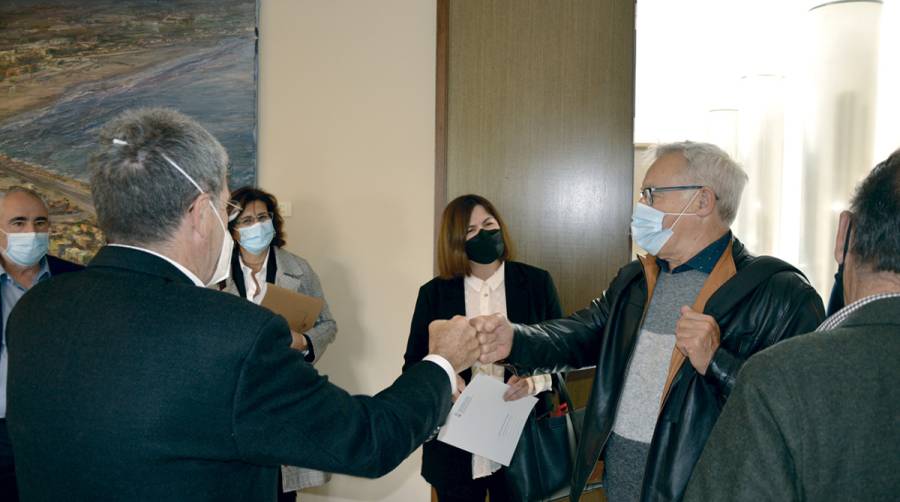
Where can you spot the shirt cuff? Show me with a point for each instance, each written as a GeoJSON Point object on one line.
{"type": "Point", "coordinates": [448, 368]}
{"type": "Point", "coordinates": [309, 354]}
{"type": "Point", "coordinates": [542, 383]}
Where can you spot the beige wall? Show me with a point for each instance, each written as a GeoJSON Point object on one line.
{"type": "Point", "coordinates": [346, 136]}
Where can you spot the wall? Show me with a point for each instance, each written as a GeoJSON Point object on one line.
{"type": "Point", "coordinates": [540, 121]}
{"type": "Point", "coordinates": [346, 137]}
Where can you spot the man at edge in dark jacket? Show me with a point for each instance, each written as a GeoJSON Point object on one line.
{"type": "Point", "coordinates": [815, 418]}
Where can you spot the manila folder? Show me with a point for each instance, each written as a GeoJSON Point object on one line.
{"type": "Point", "coordinates": [301, 311]}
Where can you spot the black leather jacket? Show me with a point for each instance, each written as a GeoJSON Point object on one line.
{"type": "Point", "coordinates": [604, 335]}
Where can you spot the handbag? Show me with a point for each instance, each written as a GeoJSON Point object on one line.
{"type": "Point", "coordinates": [541, 466]}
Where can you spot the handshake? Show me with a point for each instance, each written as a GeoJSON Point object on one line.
{"type": "Point", "coordinates": [462, 342]}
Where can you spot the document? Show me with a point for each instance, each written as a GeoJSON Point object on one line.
{"type": "Point", "coordinates": [481, 422]}
{"type": "Point", "coordinates": [300, 311]}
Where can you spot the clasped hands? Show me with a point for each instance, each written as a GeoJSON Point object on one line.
{"type": "Point", "coordinates": [486, 339]}
{"type": "Point", "coordinates": [489, 339]}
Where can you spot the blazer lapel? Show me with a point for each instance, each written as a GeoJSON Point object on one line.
{"type": "Point", "coordinates": [517, 305]}
{"type": "Point", "coordinates": [237, 274]}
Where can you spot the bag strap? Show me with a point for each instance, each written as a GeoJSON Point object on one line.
{"type": "Point", "coordinates": [560, 384]}
{"type": "Point", "coordinates": [736, 290]}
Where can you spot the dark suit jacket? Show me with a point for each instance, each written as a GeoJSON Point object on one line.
{"type": "Point", "coordinates": [530, 297]}
{"type": "Point", "coordinates": [57, 266]}
{"type": "Point", "coordinates": [128, 382]}
{"type": "Point", "coordinates": [816, 417]}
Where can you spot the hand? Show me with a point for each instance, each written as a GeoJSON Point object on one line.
{"type": "Point", "coordinates": [298, 341]}
{"type": "Point", "coordinates": [697, 337]}
{"type": "Point", "coordinates": [495, 334]}
{"type": "Point", "coordinates": [518, 388]}
{"type": "Point", "coordinates": [455, 341]}
{"type": "Point", "coordinates": [460, 387]}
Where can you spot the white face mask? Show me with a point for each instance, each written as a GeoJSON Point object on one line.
{"type": "Point", "coordinates": [223, 265]}
{"type": "Point", "coordinates": [26, 248]}
{"type": "Point", "coordinates": [647, 226]}
{"type": "Point", "coordinates": [257, 237]}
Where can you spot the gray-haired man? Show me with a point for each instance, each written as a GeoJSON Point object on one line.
{"type": "Point", "coordinates": [671, 331]}
{"type": "Point", "coordinates": [146, 385]}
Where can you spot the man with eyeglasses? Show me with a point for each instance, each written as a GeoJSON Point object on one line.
{"type": "Point", "coordinates": [671, 331]}
{"type": "Point", "coordinates": [24, 262]}
{"type": "Point", "coordinates": [132, 380]}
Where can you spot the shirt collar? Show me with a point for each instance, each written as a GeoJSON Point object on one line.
{"type": "Point", "coordinates": [43, 273]}
{"type": "Point", "coordinates": [247, 270]}
{"type": "Point", "coordinates": [704, 261]}
{"type": "Point", "coordinates": [493, 282]}
{"type": "Point", "coordinates": [841, 315]}
{"type": "Point", "coordinates": [190, 275]}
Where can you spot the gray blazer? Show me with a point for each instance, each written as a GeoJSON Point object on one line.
{"type": "Point", "coordinates": [294, 273]}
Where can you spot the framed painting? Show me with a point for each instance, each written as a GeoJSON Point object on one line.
{"type": "Point", "coordinates": [68, 66]}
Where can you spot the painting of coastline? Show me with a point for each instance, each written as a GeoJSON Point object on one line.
{"type": "Point", "coordinates": [68, 66]}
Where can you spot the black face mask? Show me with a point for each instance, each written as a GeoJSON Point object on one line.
{"type": "Point", "coordinates": [836, 301]}
{"type": "Point", "coordinates": [485, 247]}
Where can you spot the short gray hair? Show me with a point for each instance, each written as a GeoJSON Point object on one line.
{"type": "Point", "coordinates": [20, 189]}
{"type": "Point", "coordinates": [712, 167]}
{"type": "Point", "coordinates": [140, 198]}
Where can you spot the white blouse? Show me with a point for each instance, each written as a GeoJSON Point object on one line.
{"type": "Point", "coordinates": [255, 294]}
{"type": "Point", "coordinates": [487, 297]}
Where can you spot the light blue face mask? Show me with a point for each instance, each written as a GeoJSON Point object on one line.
{"type": "Point", "coordinates": [257, 237]}
{"type": "Point", "coordinates": [647, 226]}
{"type": "Point", "coordinates": [26, 248]}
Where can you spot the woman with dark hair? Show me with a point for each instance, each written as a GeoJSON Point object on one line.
{"type": "Point", "coordinates": [477, 278]}
{"type": "Point", "coordinates": [258, 260]}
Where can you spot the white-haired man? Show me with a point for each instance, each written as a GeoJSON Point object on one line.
{"type": "Point", "coordinates": [670, 332]}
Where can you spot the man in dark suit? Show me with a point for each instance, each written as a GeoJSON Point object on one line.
{"type": "Point", "coordinates": [24, 262]}
{"type": "Point", "coordinates": [144, 385]}
{"type": "Point", "coordinates": [816, 417]}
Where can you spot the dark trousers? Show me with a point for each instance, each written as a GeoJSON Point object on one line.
{"type": "Point", "coordinates": [475, 490]}
{"type": "Point", "coordinates": [8, 490]}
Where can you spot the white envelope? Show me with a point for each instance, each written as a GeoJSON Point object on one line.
{"type": "Point", "coordinates": [481, 422]}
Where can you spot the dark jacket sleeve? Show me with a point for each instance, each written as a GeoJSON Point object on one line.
{"type": "Point", "coordinates": [286, 413]}
{"type": "Point", "coordinates": [567, 343]}
{"type": "Point", "coordinates": [749, 456]}
{"type": "Point", "coordinates": [417, 343]}
{"type": "Point", "coordinates": [785, 307]}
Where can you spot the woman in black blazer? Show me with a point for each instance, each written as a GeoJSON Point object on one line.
{"type": "Point", "coordinates": [476, 278]}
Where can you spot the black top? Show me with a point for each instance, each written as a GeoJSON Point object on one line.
{"type": "Point", "coordinates": [530, 297]}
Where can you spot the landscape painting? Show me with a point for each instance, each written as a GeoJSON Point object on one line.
{"type": "Point", "coordinates": [68, 66]}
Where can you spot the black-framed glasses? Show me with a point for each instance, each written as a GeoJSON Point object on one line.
{"type": "Point", "coordinates": [250, 219]}
{"type": "Point", "coordinates": [647, 193]}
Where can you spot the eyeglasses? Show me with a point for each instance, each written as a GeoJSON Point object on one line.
{"type": "Point", "coordinates": [250, 219]}
{"type": "Point", "coordinates": [233, 209]}
{"type": "Point", "coordinates": [647, 193]}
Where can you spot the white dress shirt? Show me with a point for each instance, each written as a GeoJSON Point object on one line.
{"type": "Point", "coordinates": [487, 297]}
{"type": "Point", "coordinates": [255, 294]}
